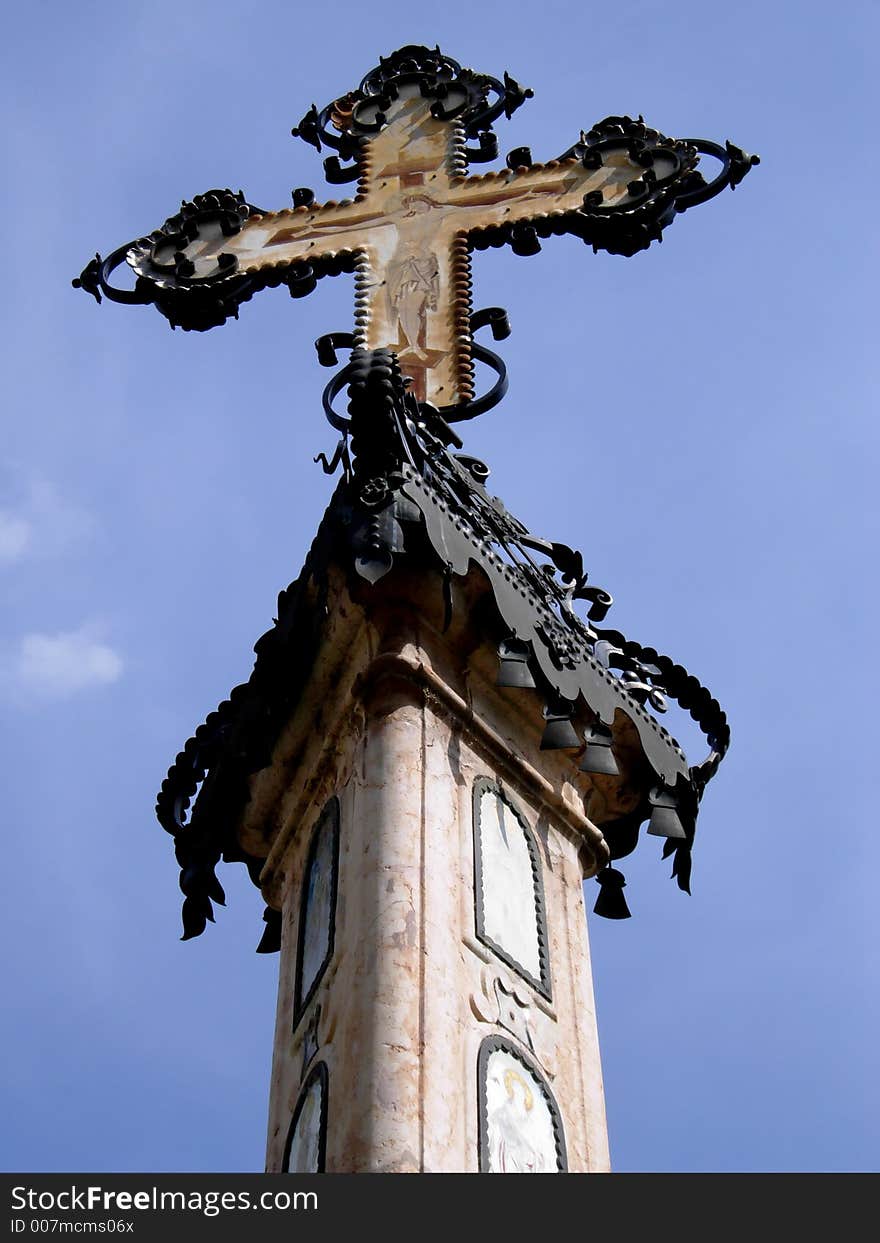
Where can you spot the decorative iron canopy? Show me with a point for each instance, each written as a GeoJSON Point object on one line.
{"type": "Point", "coordinates": [406, 495]}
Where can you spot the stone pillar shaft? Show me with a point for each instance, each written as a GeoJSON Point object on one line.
{"type": "Point", "coordinates": [412, 992]}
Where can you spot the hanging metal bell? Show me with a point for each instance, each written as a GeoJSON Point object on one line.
{"type": "Point", "coordinates": [611, 904]}
{"type": "Point", "coordinates": [514, 667]}
{"type": "Point", "coordinates": [559, 733]}
{"type": "Point", "coordinates": [665, 821]}
{"type": "Point", "coordinates": [270, 942]}
{"type": "Point", "coordinates": [598, 757]}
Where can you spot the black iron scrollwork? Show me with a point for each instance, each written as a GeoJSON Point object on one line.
{"type": "Point", "coordinates": [669, 184]}
{"type": "Point", "coordinates": [476, 100]}
{"type": "Point", "coordinates": [552, 645]}
{"type": "Point", "coordinates": [402, 474]}
{"type": "Point", "coordinates": [190, 296]}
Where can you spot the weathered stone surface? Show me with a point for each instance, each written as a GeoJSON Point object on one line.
{"type": "Point", "coordinates": [400, 722]}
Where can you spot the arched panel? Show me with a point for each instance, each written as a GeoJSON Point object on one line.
{"type": "Point", "coordinates": [304, 1151]}
{"type": "Point", "coordinates": [510, 914]}
{"type": "Point", "coordinates": [520, 1125]}
{"type": "Point", "coordinates": [317, 912]}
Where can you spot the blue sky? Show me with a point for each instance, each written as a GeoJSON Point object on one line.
{"type": "Point", "coordinates": [697, 419]}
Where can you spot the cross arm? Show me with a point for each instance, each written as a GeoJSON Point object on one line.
{"type": "Point", "coordinates": [617, 188]}
{"type": "Point", "coordinates": [417, 214]}
{"type": "Point", "coordinates": [216, 252]}
{"type": "Point", "coordinates": [193, 295]}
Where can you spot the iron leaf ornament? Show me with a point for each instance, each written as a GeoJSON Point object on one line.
{"type": "Point", "coordinates": [404, 492]}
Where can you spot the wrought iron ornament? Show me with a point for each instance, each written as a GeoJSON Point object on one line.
{"type": "Point", "coordinates": [405, 493]}
{"type": "Point", "coordinates": [407, 137]}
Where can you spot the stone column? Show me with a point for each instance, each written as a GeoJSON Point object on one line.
{"type": "Point", "coordinates": [417, 1006]}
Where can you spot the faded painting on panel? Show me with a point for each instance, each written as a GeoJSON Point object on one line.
{"type": "Point", "coordinates": [509, 913]}
{"type": "Point", "coordinates": [519, 1136]}
{"type": "Point", "coordinates": [318, 903]}
{"type": "Point", "coordinates": [306, 1144]}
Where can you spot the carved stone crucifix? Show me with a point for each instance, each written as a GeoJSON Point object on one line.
{"type": "Point", "coordinates": [408, 233]}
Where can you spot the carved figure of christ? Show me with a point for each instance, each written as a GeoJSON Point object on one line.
{"type": "Point", "coordinates": [409, 227]}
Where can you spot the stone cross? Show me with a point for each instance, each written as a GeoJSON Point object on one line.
{"type": "Point", "coordinates": [409, 231]}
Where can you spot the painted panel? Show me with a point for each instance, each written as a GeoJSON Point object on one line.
{"type": "Point", "coordinates": [306, 1140]}
{"type": "Point", "coordinates": [318, 907]}
{"type": "Point", "coordinates": [520, 1126]}
{"type": "Point", "coordinates": [510, 907]}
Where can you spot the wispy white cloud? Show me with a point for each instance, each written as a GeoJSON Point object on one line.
{"type": "Point", "coordinates": [41, 523]}
{"type": "Point", "coordinates": [58, 665]}
{"type": "Point", "coordinates": [15, 536]}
